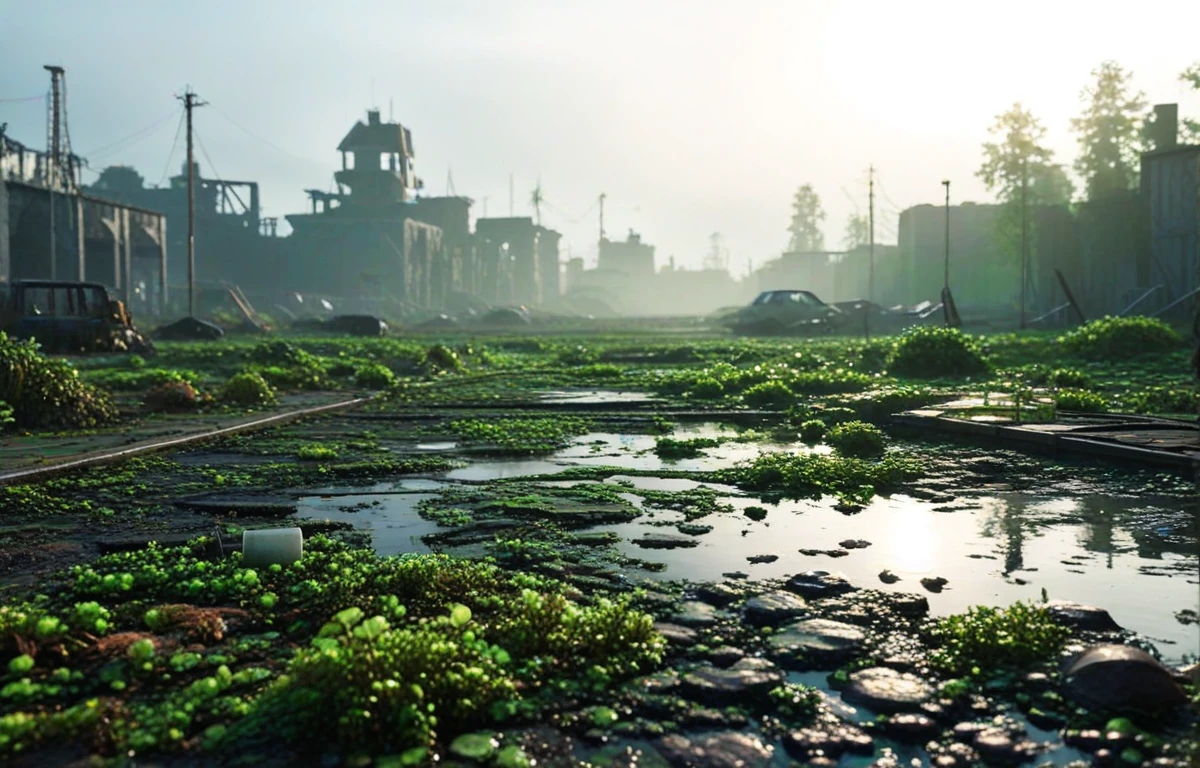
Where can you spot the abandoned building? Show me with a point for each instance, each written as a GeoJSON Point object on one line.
{"type": "Point", "coordinates": [52, 228]}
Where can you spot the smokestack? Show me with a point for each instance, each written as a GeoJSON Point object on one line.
{"type": "Point", "coordinates": [1164, 130]}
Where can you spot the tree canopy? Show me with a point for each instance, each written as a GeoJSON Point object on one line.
{"type": "Point", "coordinates": [858, 231]}
{"type": "Point", "coordinates": [807, 216]}
{"type": "Point", "coordinates": [1109, 131]}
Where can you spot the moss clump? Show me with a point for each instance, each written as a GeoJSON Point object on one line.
{"type": "Point", "coordinates": [985, 639]}
{"type": "Point", "coordinates": [1120, 338]}
{"type": "Point", "coordinates": [808, 476]}
{"type": "Point", "coordinates": [813, 431]}
{"type": "Point", "coordinates": [521, 435]}
{"type": "Point", "coordinates": [173, 396]}
{"type": "Point", "coordinates": [1080, 400]}
{"type": "Point", "coordinates": [773, 395]}
{"type": "Point", "coordinates": [857, 438]}
{"type": "Point", "coordinates": [374, 376]}
{"type": "Point", "coordinates": [316, 452]}
{"type": "Point", "coordinates": [48, 394]}
{"type": "Point", "coordinates": [441, 359]}
{"type": "Point", "coordinates": [930, 352]}
{"type": "Point", "coordinates": [248, 389]}
{"type": "Point", "coordinates": [670, 448]}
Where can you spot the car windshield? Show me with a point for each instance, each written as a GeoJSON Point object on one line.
{"type": "Point", "coordinates": [785, 297]}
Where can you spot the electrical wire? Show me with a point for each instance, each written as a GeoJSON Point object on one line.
{"type": "Point", "coordinates": [254, 135]}
{"type": "Point", "coordinates": [22, 98]}
{"type": "Point", "coordinates": [174, 144]}
{"type": "Point", "coordinates": [132, 138]}
{"type": "Point", "coordinates": [211, 166]}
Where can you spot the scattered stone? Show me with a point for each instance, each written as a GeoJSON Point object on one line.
{"type": "Point", "coordinates": [854, 544]}
{"type": "Point", "coordinates": [911, 728]}
{"type": "Point", "coordinates": [1082, 616]}
{"type": "Point", "coordinates": [1192, 673]}
{"type": "Point", "coordinates": [718, 594]}
{"type": "Point", "coordinates": [907, 604]}
{"type": "Point", "coordinates": [725, 749]}
{"type": "Point", "coordinates": [693, 529]}
{"type": "Point", "coordinates": [1088, 741]}
{"type": "Point", "coordinates": [816, 640]}
{"type": "Point", "coordinates": [1121, 678]}
{"type": "Point", "coordinates": [969, 730]}
{"type": "Point", "coordinates": [757, 559]}
{"type": "Point", "coordinates": [659, 682]}
{"type": "Point", "coordinates": [832, 743]}
{"type": "Point", "coordinates": [694, 613]}
{"type": "Point", "coordinates": [665, 541]}
{"type": "Point", "coordinates": [887, 577]}
{"type": "Point", "coordinates": [818, 584]}
{"type": "Point", "coordinates": [772, 608]}
{"type": "Point", "coordinates": [829, 552]}
{"type": "Point", "coordinates": [677, 634]}
{"type": "Point", "coordinates": [478, 747]}
{"type": "Point", "coordinates": [885, 690]}
{"type": "Point", "coordinates": [736, 575]}
{"type": "Point", "coordinates": [934, 583]}
{"type": "Point", "coordinates": [725, 656]}
{"type": "Point", "coordinates": [747, 678]}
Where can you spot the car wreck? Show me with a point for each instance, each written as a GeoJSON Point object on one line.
{"type": "Point", "coordinates": [67, 317]}
{"type": "Point", "coordinates": [801, 313]}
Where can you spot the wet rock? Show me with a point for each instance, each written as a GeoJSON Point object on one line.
{"type": "Point", "coordinates": [816, 640]}
{"type": "Point", "coordinates": [1192, 673]}
{"type": "Point", "coordinates": [914, 728]}
{"type": "Point", "coordinates": [828, 552]}
{"type": "Point", "coordinates": [747, 678]}
{"type": "Point", "coordinates": [934, 583]}
{"type": "Point", "coordinates": [1088, 741]}
{"type": "Point", "coordinates": [1082, 616]}
{"type": "Point", "coordinates": [832, 742]}
{"type": "Point", "coordinates": [1120, 678]}
{"type": "Point", "coordinates": [718, 594]}
{"type": "Point", "coordinates": [762, 559]}
{"type": "Point", "coordinates": [969, 730]}
{"type": "Point", "coordinates": [694, 613]}
{"type": "Point", "coordinates": [736, 575]}
{"type": "Point", "coordinates": [887, 577]}
{"type": "Point", "coordinates": [885, 690]}
{"type": "Point", "coordinates": [818, 584]}
{"type": "Point", "coordinates": [677, 634]}
{"type": "Point", "coordinates": [726, 749]}
{"type": "Point", "coordinates": [1000, 745]}
{"type": "Point", "coordinates": [665, 541]}
{"type": "Point", "coordinates": [854, 544]}
{"type": "Point", "coordinates": [660, 682]}
{"type": "Point", "coordinates": [772, 608]}
{"type": "Point", "coordinates": [725, 656]}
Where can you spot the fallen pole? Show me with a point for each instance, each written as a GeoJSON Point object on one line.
{"type": "Point", "coordinates": [107, 457]}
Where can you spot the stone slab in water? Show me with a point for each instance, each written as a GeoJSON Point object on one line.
{"type": "Point", "coordinates": [726, 749]}
{"type": "Point", "coordinates": [1123, 679]}
{"type": "Point", "coordinates": [718, 594]}
{"type": "Point", "coordinates": [1082, 616]}
{"type": "Point", "coordinates": [747, 678]}
{"type": "Point", "coordinates": [832, 742]}
{"type": "Point", "coordinates": [676, 634]}
{"type": "Point", "coordinates": [818, 584]}
{"type": "Point", "coordinates": [885, 690]}
{"type": "Point", "coordinates": [772, 608]}
{"type": "Point", "coordinates": [694, 613]}
{"type": "Point", "coordinates": [817, 640]}
{"type": "Point", "coordinates": [665, 541]}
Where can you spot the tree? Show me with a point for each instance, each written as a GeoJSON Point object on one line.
{"type": "Point", "coordinates": [1109, 130]}
{"type": "Point", "coordinates": [807, 215]}
{"type": "Point", "coordinates": [1190, 130]}
{"type": "Point", "coordinates": [858, 231]}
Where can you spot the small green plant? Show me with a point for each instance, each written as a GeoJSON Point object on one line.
{"type": "Point", "coordinates": [670, 448]}
{"type": "Point", "coordinates": [811, 476]}
{"type": "Point", "coordinates": [985, 639]}
{"type": "Point", "coordinates": [1164, 400]}
{"type": "Point", "coordinates": [1080, 400]}
{"type": "Point", "coordinates": [813, 431]}
{"type": "Point", "coordinates": [441, 359]}
{"type": "Point", "coordinates": [316, 452]}
{"type": "Point", "coordinates": [1068, 378]}
{"type": "Point", "coordinates": [1120, 338]}
{"type": "Point", "coordinates": [797, 703]}
{"type": "Point", "coordinates": [857, 438]}
{"type": "Point", "coordinates": [930, 352]}
{"type": "Point", "coordinates": [772, 395]}
{"type": "Point", "coordinates": [45, 393]}
{"type": "Point", "coordinates": [374, 376]}
{"type": "Point", "coordinates": [173, 396]}
{"type": "Point", "coordinates": [248, 389]}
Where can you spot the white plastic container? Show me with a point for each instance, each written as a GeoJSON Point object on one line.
{"type": "Point", "coordinates": [272, 545]}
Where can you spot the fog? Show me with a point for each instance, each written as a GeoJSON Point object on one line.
{"type": "Point", "coordinates": [692, 117]}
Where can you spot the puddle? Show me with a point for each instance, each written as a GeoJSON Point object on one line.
{"type": "Point", "coordinates": [393, 522]}
{"type": "Point", "coordinates": [1007, 549]}
{"type": "Point", "coordinates": [442, 446]}
{"type": "Point", "coordinates": [501, 468]}
{"type": "Point", "coordinates": [407, 485]}
{"type": "Point", "coordinates": [575, 397]}
{"type": "Point", "coordinates": [671, 484]}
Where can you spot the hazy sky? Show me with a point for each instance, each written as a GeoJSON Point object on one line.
{"type": "Point", "coordinates": [694, 116]}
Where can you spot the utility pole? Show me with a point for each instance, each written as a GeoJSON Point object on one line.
{"type": "Point", "coordinates": [871, 227]}
{"type": "Point", "coordinates": [1024, 230]}
{"type": "Point", "coordinates": [602, 196]}
{"type": "Point", "coordinates": [946, 281]}
{"type": "Point", "coordinates": [510, 195]}
{"type": "Point", "coordinates": [54, 155]}
{"type": "Point", "coordinates": [190, 102]}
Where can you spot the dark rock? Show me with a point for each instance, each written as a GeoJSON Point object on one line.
{"type": "Point", "coordinates": [854, 544]}
{"type": "Point", "coordinates": [887, 577]}
{"type": "Point", "coordinates": [694, 613]}
{"type": "Point", "coordinates": [736, 575]}
{"type": "Point", "coordinates": [718, 594]}
{"type": "Point", "coordinates": [665, 541]}
{"type": "Point", "coordinates": [773, 608]}
{"type": "Point", "coordinates": [1082, 616]}
{"type": "Point", "coordinates": [996, 744]}
{"type": "Point", "coordinates": [676, 634]}
{"type": "Point", "coordinates": [757, 559]}
{"type": "Point", "coordinates": [968, 731]}
{"type": "Point", "coordinates": [1120, 678]}
{"type": "Point", "coordinates": [827, 552]}
{"type": "Point", "coordinates": [935, 583]}
{"type": "Point", "coordinates": [358, 325]}
{"type": "Point", "coordinates": [747, 678]}
{"type": "Point", "coordinates": [190, 329]}
{"type": "Point", "coordinates": [885, 690]}
{"type": "Point", "coordinates": [909, 605]}
{"type": "Point", "coordinates": [818, 584]}
{"type": "Point", "coordinates": [725, 656]}
{"type": "Point", "coordinates": [829, 742]}
{"type": "Point", "coordinates": [817, 640]}
{"type": "Point", "coordinates": [726, 749]}
{"type": "Point", "coordinates": [911, 727]}
{"type": "Point", "coordinates": [660, 682]}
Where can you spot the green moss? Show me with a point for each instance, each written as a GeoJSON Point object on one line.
{"type": "Point", "coordinates": [45, 393]}
{"type": "Point", "coordinates": [669, 448]}
{"type": "Point", "coordinates": [1120, 338]}
{"type": "Point", "coordinates": [986, 639]}
{"type": "Point", "coordinates": [248, 389]}
{"type": "Point", "coordinates": [857, 438]}
{"type": "Point", "coordinates": [927, 352]}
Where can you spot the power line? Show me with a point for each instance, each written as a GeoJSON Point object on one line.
{"type": "Point", "coordinates": [270, 144]}
{"type": "Point", "coordinates": [136, 136]}
{"type": "Point", "coordinates": [39, 97]}
{"type": "Point", "coordinates": [212, 167]}
{"type": "Point", "coordinates": [174, 144]}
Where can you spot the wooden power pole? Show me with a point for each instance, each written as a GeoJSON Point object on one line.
{"type": "Point", "coordinates": [190, 102]}
{"type": "Point", "coordinates": [871, 228]}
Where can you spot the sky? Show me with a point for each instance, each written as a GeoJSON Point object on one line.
{"type": "Point", "coordinates": [692, 116]}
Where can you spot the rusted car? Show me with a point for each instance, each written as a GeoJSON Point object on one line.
{"type": "Point", "coordinates": [67, 317]}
